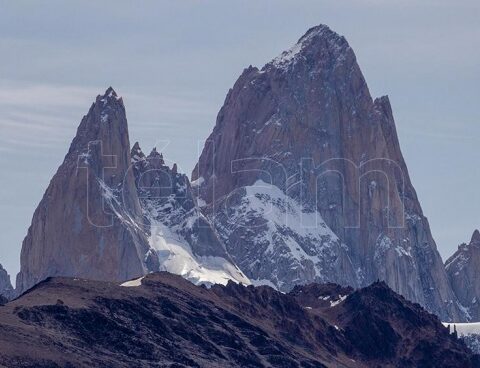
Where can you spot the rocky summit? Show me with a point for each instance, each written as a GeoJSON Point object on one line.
{"type": "Point", "coordinates": [304, 180]}
{"type": "Point", "coordinates": [162, 320]}
{"type": "Point", "coordinates": [87, 223]}
{"type": "Point", "coordinates": [463, 270]}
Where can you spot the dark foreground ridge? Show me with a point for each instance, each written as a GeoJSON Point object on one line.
{"type": "Point", "coordinates": [163, 320]}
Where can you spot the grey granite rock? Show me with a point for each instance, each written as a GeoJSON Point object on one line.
{"type": "Point", "coordinates": [180, 235]}
{"type": "Point", "coordinates": [307, 125]}
{"type": "Point", "coordinates": [6, 289]}
{"type": "Point", "coordinates": [463, 270]}
{"type": "Point", "coordinates": [87, 223]}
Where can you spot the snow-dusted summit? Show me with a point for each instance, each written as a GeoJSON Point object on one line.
{"type": "Point", "coordinates": [306, 125]}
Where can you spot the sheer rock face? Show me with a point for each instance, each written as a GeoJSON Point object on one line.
{"type": "Point", "coordinates": [463, 270]}
{"type": "Point", "coordinates": [306, 124]}
{"type": "Point", "coordinates": [88, 223]}
{"type": "Point", "coordinates": [179, 234]}
{"type": "Point", "coordinates": [6, 289]}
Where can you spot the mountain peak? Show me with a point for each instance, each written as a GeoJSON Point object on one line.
{"type": "Point", "coordinates": [321, 29]}
{"type": "Point", "coordinates": [136, 147]}
{"type": "Point", "coordinates": [136, 153]}
{"type": "Point", "coordinates": [475, 237]}
{"type": "Point", "coordinates": [317, 38]}
{"type": "Point", "coordinates": [109, 97]}
{"type": "Point", "coordinates": [110, 92]}
{"type": "Point", "coordinates": [155, 154]}
{"type": "Point", "coordinates": [313, 102]}
{"type": "Point", "coordinates": [99, 214]}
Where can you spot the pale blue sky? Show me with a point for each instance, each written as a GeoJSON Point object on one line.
{"type": "Point", "coordinates": [174, 61]}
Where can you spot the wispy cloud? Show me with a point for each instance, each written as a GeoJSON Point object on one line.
{"type": "Point", "coordinates": [39, 116]}
{"type": "Point", "coordinates": [14, 94]}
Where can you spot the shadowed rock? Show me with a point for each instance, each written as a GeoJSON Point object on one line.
{"type": "Point", "coordinates": [166, 321]}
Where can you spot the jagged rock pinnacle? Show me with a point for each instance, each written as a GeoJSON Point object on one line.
{"type": "Point", "coordinates": [475, 237]}
{"type": "Point", "coordinates": [155, 155]}
{"type": "Point", "coordinates": [317, 44]}
{"type": "Point", "coordinates": [153, 152]}
{"type": "Point", "coordinates": [110, 92]}
{"type": "Point", "coordinates": [136, 153]}
{"type": "Point", "coordinates": [136, 147]}
{"type": "Point", "coordinates": [96, 212]}
{"type": "Point", "coordinates": [109, 99]}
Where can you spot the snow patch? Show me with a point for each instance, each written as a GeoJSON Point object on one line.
{"type": "Point", "coordinates": [384, 244]}
{"type": "Point", "coordinates": [291, 55]}
{"type": "Point", "coordinates": [263, 282]}
{"type": "Point", "coordinates": [459, 261]}
{"type": "Point", "coordinates": [198, 182]}
{"type": "Point", "coordinates": [175, 254]}
{"type": "Point", "coordinates": [340, 299]}
{"type": "Point", "coordinates": [103, 117]}
{"type": "Point", "coordinates": [284, 213]}
{"type": "Point", "coordinates": [281, 230]}
{"type": "Point", "coordinates": [200, 202]}
{"type": "Point", "coordinates": [114, 204]}
{"type": "Point", "coordinates": [84, 157]}
{"type": "Point", "coordinates": [133, 283]}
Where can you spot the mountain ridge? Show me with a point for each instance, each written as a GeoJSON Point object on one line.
{"type": "Point", "coordinates": [164, 318]}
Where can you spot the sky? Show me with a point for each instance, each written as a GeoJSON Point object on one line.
{"type": "Point", "coordinates": [174, 61]}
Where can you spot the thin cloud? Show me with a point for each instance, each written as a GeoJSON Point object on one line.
{"type": "Point", "coordinates": [41, 116]}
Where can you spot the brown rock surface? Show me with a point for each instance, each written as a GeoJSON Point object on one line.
{"type": "Point", "coordinates": [163, 320]}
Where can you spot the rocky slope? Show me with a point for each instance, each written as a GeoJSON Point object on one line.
{"type": "Point", "coordinates": [6, 289]}
{"type": "Point", "coordinates": [304, 180]}
{"type": "Point", "coordinates": [91, 223]}
{"type": "Point", "coordinates": [163, 320]}
{"type": "Point", "coordinates": [463, 270]}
